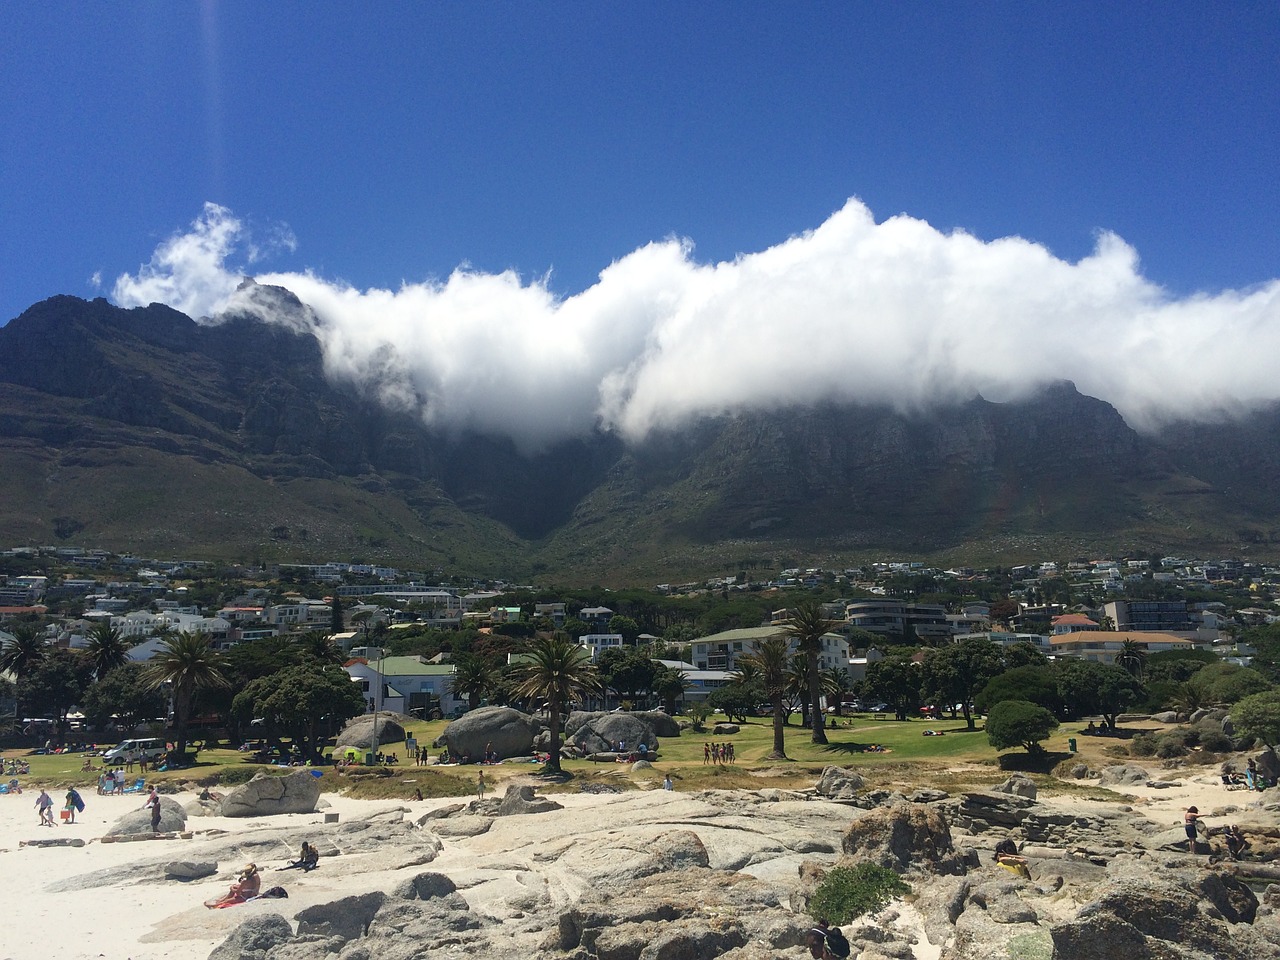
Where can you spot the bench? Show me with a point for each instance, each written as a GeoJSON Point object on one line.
{"type": "Point", "coordinates": [882, 716]}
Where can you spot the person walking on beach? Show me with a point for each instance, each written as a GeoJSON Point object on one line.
{"type": "Point", "coordinates": [73, 805]}
{"type": "Point", "coordinates": [44, 803]}
{"type": "Point", "coordinates": [153, 801]}
{"type": "Point", "coordinates": [480, 786]}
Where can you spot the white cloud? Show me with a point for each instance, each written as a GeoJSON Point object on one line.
{"type": "Point", "coordinates": [895, 312]}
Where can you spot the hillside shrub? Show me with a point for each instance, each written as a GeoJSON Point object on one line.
{"type": "Point", "coordinates": [1143, 745]}
{"type": "Point", "coordinates": [847, 893]}
{"type": "Point", "coordinates": [1215, 741]}
{"type": "Point", "coordinates": [1169, 746]}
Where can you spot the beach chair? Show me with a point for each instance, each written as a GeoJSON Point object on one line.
{"type": "Point", "coordinates": [137, 786]}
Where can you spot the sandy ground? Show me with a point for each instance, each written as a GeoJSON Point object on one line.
{"type": "Point", "coordinates": [153, 921]}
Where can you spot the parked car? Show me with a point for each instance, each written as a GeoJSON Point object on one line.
{"type": "Point", "coordinates": [131, 751]}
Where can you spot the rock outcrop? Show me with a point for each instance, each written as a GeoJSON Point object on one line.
{"type": "Point", "coordinates": [264, 795]}
{"type": "Point", "coordinates": [505, 731]}
{"type": "Point", "coordinates": [359, 733]}
{"type": "Point", "coordinates": [173, 819]}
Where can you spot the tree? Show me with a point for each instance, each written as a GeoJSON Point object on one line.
{"type": "Point", "coordinates": [1014, 723]}
{"type": "Point", "coordinates": [955, 673]}
{"type": "Point", "coordinates": [1023, 654]}
{"type": "Point", "coordinates": [188, 664]}
{"type": "Point", "coordinates": [1132, 657]}
{"type": "Point", "coordinates": [124, 696]}
{"type": "Point", "coordinates": [1087, 686]}
{"type": "Point", "coordinates": [55, 685]}
{"type": "Point", "coordinates": [559, 671]}
{"type": "Point", "coordinates": [1258, 717]}
{"type": "Point", "coordinates": [737, 700]}
{"type": "Point", "coordinates": [897, 680]}
{"type": "Point", "coordinates": [1225, 683]}
{"type": "Point", "coordinates": [21, 655]}
{"type": "Point", "coordinates": [336, 624]}
{"type": "Point", "coordinates": [625, 626]}
{"type": "Point", "coordinates": [316, 646]}
{"type": "Point", "coordinates": [671, 686]}
{"type": "Point", "coordinates": [770, 659]}
{"type": "Point", "coordinates": [807, 626]}
{"type": "Point", "coordinates": [627, 671]}
{"type": "Point", "coordinates": [1037, 684]}
{"type": "Point", "coordinates": [309, 700]}
{"type": "Point", "coordinates": [107, 649]}
{"type": "Point", "coordinates": [473, 678]}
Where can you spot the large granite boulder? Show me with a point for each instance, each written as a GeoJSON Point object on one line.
{"type": "Point", "coordinates": [348, 918]}
{"type": "Point", "coordinates": [903, 837]}
{"type": "Point", "coordinates": [358, 733]}
{"type": "Point", "coordinates": [254, 938]}
{"type": "Point", "coordinates": [522, 799]}
{"type": "Point", "coordinates": [510, 732]}
{"type": "Point", "coordinates": [264, 795]}
{"type": "Point", "coordinates": [173, 819]}
{"type": "Point", "coordinates": [840, 783]}
{"type": "Point", "coordinates": [1122, 773]}
{"type": "Point", "coordinates": [603, 732]}
{"type": "Point", "coordinates": [662, 724]}
{"type": "Point", "coordinates": [1019, 785]}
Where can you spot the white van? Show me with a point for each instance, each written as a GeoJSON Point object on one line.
{"type": "Point", "coordinates": [127, 751]}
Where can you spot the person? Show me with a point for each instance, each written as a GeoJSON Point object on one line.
{"type": "Point", "coordinates": [1251, 775]}
{"type": "Point", "coordinates": [817, 939]}
{"type": "Point", "coordinates": [480, 786]}
{"type": "Point", "coordinates": [44, 803]}
{"type": "Point", "coordinates": [836, 946]}
{"type": "Point", "coordinates": [666, 783]}
{"type": "Point", "coordinates": [1006, 854]}
{"type": "Point", "coordinates": [1190, 823]}
{"type": "Point", "coordinates": [307, 860]}
{"type": "Point", "coordinates": [1236, 842]}
{"type": "Point", "coordinates": [73, 805]}
{"type": "Point", "coordinates": [153, 802]}
{"type": "Point", "coordinates": [417, 793]}
{"type": "Point", "coordinates": [246, 887]}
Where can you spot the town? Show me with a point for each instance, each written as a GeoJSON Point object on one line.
{"type": "Point", "coordinates": [437, 649]}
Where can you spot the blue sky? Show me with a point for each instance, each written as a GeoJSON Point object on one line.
{"type": "Point", "coordinates": [395, 142]}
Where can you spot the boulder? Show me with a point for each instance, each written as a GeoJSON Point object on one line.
{"type": "Point", "coordinates": [840, 783]}
{"type": "Point", "coordinates": [173, 819]}
{"type": "Point", "coordinates": [521, 800]}
{"type": "Point", "coordinates": [1121, 773]}
{"type": "Point", "coordinates": [1019, 786]}
{"type": "Point", "coordinates": [904, 836]}
{"type": "Point", "coordinates": [506, 731]}
{"type": "Point", "coordinates": [664, 725]}
{"type": "Point", "coordinates": [603, 732]}
{"type": "Point", "coordinates": [358, 733]}
{"type": "Point", "coordinates": [264, 795]}
{"type": "Point", "coordinates": [254, 938]}
{"type": "Point", "coordinates": [189, 869]}
{"type": "Point", "coordinates": [425, 886]}
{"type": "Point", "coordinates": [1168, 716]}
{"type": "Point", "coordinates": [724, 729]}
{"type": "Point", "coordinates": [1268, 763]}
{"type": "Point", "coordinates": [348, 918]}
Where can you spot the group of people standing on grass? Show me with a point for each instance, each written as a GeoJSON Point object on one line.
{"type": "Point", "coordinates": [717, 753]}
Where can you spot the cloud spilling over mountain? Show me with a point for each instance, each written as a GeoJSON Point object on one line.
{"type": "Point", "coordinates": [895, 312]}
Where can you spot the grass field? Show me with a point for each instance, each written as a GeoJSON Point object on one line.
{"type": "Point", "coordinates": [961, 759]}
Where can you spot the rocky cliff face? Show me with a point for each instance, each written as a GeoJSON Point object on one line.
{"type": "Point", "coordinates": [89, 392]}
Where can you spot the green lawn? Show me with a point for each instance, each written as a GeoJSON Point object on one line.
{"type": "Point", "coordinates": [959, 758]}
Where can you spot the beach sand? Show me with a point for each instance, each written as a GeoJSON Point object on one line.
{"type": "Point", "coordinates": [154, 920]}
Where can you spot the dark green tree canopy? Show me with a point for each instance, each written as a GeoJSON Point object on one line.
{"type": "Point", "coordinates": [1019, 723]}
{"type": "Point", "coordinates": [628, 671]}
{"type": "Point", "coordinates": [896, 680]}
{"type": "Point", "coordinates": [1087, 686]}
{"type": "Point", "coordinates": [956, 672]}
{"type": "Point", "coordinates": [125, 695]}
{"type": "Point", "coordinates": [1258, 717]}
{"type": "Point", "coordinates": [55, 685]}
{"type": "Point", "coordinates": [1038, 684]}
{"type": "Point", "coordinates": [309, 700]}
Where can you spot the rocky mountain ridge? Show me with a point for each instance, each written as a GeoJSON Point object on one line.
{"type": "Point", "coordinates": [142, 430]}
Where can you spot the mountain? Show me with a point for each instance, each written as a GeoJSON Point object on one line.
{"type": "Point", "coordinates": [143, 431]}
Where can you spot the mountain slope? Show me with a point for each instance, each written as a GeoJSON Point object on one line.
{"type": "Point", "coordinates": [141, 430]}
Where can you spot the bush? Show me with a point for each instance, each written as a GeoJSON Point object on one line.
{"type": "Point", "coordinates": [847, 893]}
{"type": "Point", "coordinates": [1143, 745]}
{"type": "Point", "coordinates": [1168, 747]}
{"type": "Point", "coordinates": [1215, 741]}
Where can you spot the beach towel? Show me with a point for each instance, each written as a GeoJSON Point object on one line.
{"type": "Point", "coordinates": [77, 800]}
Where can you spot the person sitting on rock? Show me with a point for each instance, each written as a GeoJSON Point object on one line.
{"type": "Point", "coordinates": [247, 885]}
{"type": "Point", "coordinates": [1236, 842]}
{"type": "Point", "coordinates": [817, 939]}
{"type": "Point", "coordinates": [836, 946]}
{"type": "Point", "coordinates": [1006, 854]}
{"type": "Point", "coordinates": [307, 861]}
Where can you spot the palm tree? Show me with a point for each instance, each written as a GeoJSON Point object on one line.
{"type": "Point", "coordinates": [474, 677]}
{"type": "Point", "coordinates": [769, 662]}
{"type": "Point", "coordinates": [807, 626]}
{"type": "Point", "coordinates": [107, 649]}
{"type": "Point", "coordinates": [24, 652]}
{"type": "Point", "coordinates": [671, 686]}
{"type": "Point", "coordinates": [316, 646]}
{"type": "Point", "coordinates": [21, 655]}
{"type": "Point", "coordinates": [189, 664]}
{"type": "Point", "coordinates": [558, 670]}
{"type": "Point", "coordinates": [1133, 657]}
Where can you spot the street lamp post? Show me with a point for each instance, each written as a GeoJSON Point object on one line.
{"type": "Point", "coordinates": [377, 703]}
